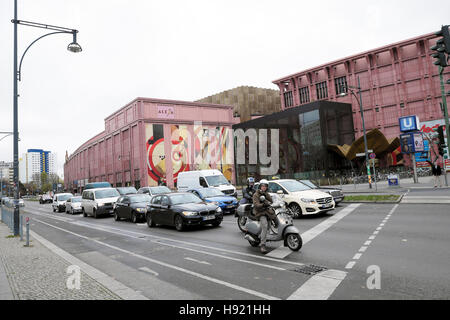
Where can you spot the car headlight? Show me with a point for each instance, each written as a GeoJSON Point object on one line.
{"type": "Point", "coordinates": [215, 203]}
{"type": "Point", "coordinates": [189, 213]}
{"type": "Point", "coordinates": [101, 204]}
{"type": "Point", "coordinates": [309, 201]}
{"type": "Point", "coordinates": [218, 209]}
{"type": "Point", "coordinates": [141, 210]}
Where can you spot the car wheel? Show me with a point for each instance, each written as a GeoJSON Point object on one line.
{"type": "Point", "coordinates": [215, 224]}
{"type": "Point", "coordinates": [84, 212]}
{"type": "Point", "coordinates": [116, 215]}
{"type": "Point", "coordinates": [179, 223]}
{"type": "Point", "coordinates": [296, 210]}
{"type": "Point", "coordinates": [95, 214]}
{"type": "Point", "coordinates": [54, 210]}
{"type": "Point", "coordinates": [134, 218]}
{"type": "Point", "coordinates": [150, 221]}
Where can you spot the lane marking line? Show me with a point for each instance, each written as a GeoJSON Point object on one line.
{"type": "Point", "coordinates": [197, 261]}
{"type": "Point", "coordinates": [363, 249]}
{"type": "Point", "coordinates": [350, 265]}
{"type": "Point", "coordinates": [282, 252]}
{"type": "Point", "coordinates": [372, 237]}
{"type": "Point", "coordinates": [170, 266]}
{"type": "Point", "coordinates": [145, 269]}
{"type": "Point", "coordinates": [320, 286]}
{"type": "Point", "coordinates": [367, 243]}
{"type": "Point", "coordinates": [357, 256]}
{"type": "Point", "coordinates": [111, 284]}
{"type": "Point", "coordinates": [138, 235]}
{"type": "Point", "coordinates": [376, 232]}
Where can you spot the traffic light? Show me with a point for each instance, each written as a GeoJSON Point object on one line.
{"type": "Point", "coordinates": [441, 59]}
{"type": "Point", "coordinates": [445, 40]}
{"type": "Point", "coordinates": [440, 131]}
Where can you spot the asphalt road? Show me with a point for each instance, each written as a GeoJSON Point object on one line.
{"type": "Point", "coordinates": [407, 245]}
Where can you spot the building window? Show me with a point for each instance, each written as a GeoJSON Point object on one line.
{"type": "Point", "coordinates": [340, 85]}
{"type": "Point", "coordinates": [322, 90]}
{"type": "Point", "coordinates": [304, 95]}
{"type": "Point", "coordinates": [288, 99]}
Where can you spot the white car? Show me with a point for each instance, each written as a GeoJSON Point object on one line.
{"type": "Point", "coordinates": [59, 201]}
{"type": "Point", "coordinates": [212, 178]}
{"type": "Point", "coordinates": [73, 205]}
{"type": "Point", "coordinates": [300, 198]}
{"type": "Point", "coordinates": [96, 202]}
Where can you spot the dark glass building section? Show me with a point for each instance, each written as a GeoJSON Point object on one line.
{"type": "Point", "coordinates": [304, 135]}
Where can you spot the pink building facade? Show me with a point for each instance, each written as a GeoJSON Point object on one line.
{"type": "Point", "coordinates": [396, 80]}
{"type": "Point", "coordinates": [150, 141]}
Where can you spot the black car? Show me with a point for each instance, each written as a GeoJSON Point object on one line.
{"type": "Point", "coordinates": [132, 207]}
{"type": "Point", "coordinates": [181, 210]}
{"type": "Point", "coordinates": [126, 190]}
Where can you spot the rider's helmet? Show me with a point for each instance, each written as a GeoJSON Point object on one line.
{"type": "Point", "coordinates": [250, 181]}
{"type": "Point", "coordinates": [264, 181]}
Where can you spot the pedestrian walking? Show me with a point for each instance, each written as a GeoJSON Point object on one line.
{"type": "Point", "coordinates": [437, 172]}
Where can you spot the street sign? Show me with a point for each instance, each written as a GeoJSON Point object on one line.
{"type": "Point", "coordinates": [372, 155]}
{"type": "Point", "coordinates": [409, 123]}
{"type": "Point", "coordinates": [360, 154]}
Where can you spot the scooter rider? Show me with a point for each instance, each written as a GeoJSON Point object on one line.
{"type": "Point", "coordinates": [249, 191]}
{"type": "Point", "coordinates": [262, 211]}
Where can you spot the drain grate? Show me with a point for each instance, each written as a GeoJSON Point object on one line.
{"type": "Point", "coordinates": [310, 269]}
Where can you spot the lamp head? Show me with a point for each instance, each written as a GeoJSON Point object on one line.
{"type": "Point", "coordinates": [74, 46]}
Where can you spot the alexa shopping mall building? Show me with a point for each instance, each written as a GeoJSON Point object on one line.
{"type": "Point", "coordinates": [149, 141]}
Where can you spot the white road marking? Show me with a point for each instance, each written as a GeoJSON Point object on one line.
{"type": "Point", "coordinates": [115, 286]}
{"type": "Point", "coordinates": [350, 265]}
{"type": "Point", "coordinates": [363, 249]}
{"type": "Point", "coordinates": [197, 261]}
{"type": "Point", "coordinates": [372, 237]}
{"type": "Point", "coordinates": [170, 266]}
{"type": "Point", "coordinates": [379, 228]}
{"type": "Point", "coordinates": [282, 252]}
{"type": "Point", "coordinates": [140, 236]}
{"type": "Point", "coordinates": [320, 286]}
{"type": "Point", "coordinates": [220, 256]}
{"type": "Point", "coordinates": [367, 243]}
{"type": "Point", "coordinates": [376, 232]}
{"type": "Point", "coordinates": [145, 269]}
{"type": "Point", "coordinates": [357, 256]}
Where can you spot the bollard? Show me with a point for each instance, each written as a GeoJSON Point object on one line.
{"type": "Point", "coordinates": [28, 232]}
{"type": "Point", "coordinates": [21, 228]}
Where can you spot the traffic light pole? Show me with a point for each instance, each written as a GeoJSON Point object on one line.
{"type": "Point", "coordinates": [444, 103]}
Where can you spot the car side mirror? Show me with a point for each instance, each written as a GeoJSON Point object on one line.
{"type": "Point", "coordinates": [280, 192]}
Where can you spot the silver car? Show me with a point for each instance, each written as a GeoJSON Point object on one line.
{"type": "Point", "coordinates": [337, 194]}
{"type": "Point", "coordinates": [73, 205]}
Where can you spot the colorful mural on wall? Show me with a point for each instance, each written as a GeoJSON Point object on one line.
{"type": "Point", "coordinates": [156, 163]}
{"type": "Point", "coordinates": [180, 150]}
{"type": "Point", "coordinates": [208, 147]}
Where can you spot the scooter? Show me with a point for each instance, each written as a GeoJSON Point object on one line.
{"type": "Point", "coordinates": [283, 228]}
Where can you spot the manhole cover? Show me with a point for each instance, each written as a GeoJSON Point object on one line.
{"type": "Point", "coordinates": [310, 269]}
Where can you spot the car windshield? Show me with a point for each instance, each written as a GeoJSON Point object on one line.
{"type": "Point", "coordinates": [107, 193]}
{"type": "Point", "coordinates": [294, 186]}
{"type": "Point", "coordinates": [159, 190]}
{"type": "Point", "coordinates": [309, 183]}
{"type": "Point", "coordinates": [217, 180]}
{"type": "Point", "coordinates": [76, 199]}
{"type": "Point", "coordinates": [64, 197]}
{"type": "Point", "coordinates": [207, 192]}
{"type": "Point", "coordinates": [140, 198]}
{"type": "Point", "coordinates": [185, 198]}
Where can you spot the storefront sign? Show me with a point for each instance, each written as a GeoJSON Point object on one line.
{"type": "Point", "coordinates": [410, 123]}
{"type": "Point", "coordinates": [166, 112]}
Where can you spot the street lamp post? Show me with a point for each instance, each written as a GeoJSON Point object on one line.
{"type": "Point", "coordinates": [72, 47]}
{"type": "Point", "coordinates": [363, 124]}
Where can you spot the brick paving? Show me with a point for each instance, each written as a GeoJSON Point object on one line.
{"type": "Point", "coordinates": [36, 273]}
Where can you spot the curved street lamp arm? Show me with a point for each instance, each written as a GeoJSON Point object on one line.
{"type": "Point", "coordinates": [7, 135]}
{"type": "Point", "coordinates": [19, 73]}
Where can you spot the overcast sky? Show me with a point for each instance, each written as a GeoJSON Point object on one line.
{"type": "Point", "coordinates": [183, 50]}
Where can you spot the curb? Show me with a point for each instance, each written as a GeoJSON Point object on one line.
{"type": "Point", "coordinates": [378, 202]}
{"type": "Point", "coordinates": [114, 286]}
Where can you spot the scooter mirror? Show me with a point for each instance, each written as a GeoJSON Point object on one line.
{"type": "Point", "coordinates": [262, 198]}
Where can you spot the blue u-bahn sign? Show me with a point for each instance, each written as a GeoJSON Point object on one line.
{"type": "Point", "coordinates": [409, 123]}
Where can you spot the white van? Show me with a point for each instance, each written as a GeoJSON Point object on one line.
{"type": "Point", "coordinates": [188, 180]}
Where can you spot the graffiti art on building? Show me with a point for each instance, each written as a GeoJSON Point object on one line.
{"type": "Point", "coordinates": [180, 150]}
{"type": "Point", "coordinates": [156, 164]}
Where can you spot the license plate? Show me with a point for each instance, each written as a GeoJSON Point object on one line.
{"type": "Point", "coordinates": [326, 206]}
{"type": "Point", "coordinates": [230, 207]}
{"type": "Point", "coordinates": [209, 218]}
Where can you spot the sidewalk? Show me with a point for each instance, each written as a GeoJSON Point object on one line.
{"type": "Point", "coordinates": [36, 273]}
{"type": "Point", "coordinates": [383, 187]}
